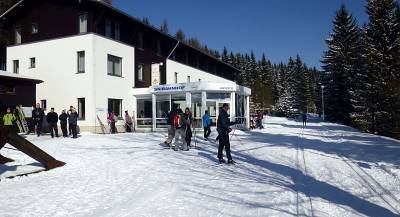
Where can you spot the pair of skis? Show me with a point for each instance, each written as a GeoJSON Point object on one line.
{"type": "Point", "coordinates": [21, 121]}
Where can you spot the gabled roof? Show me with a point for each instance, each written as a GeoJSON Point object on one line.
{"type": "Point", "coordinates": [4, 74]}
{"type": "Point", "coordinates": [136, 20]}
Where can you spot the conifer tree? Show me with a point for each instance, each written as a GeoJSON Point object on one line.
{"type": "Point", "coordinates": [381, 39]}
{"type": "Point", "coordinates": [340, 63]}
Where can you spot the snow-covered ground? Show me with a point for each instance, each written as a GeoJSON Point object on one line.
{"type": "Point", "coordinates": [283, 170]}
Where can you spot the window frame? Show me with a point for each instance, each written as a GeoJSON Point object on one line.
{"type": "Point", "coordinates": [32, 63]}
{"type": "Point", "coordinates": [81, 116]}
{"type": "Point", "coordinates": [120, 106]}
{"type": "Point", "coordinates": [80, 22]}
{"type": "Point", "coordinates": [140, 72]}
{"type": "Point", "coordinates": [113, 62]}
{"type": "Point", "coordinates": [43, 104]}
{"type": "Point", "coordinates": [78, 63]}
{"type": "Point", "coordinates": [108, 28]}
{"type": "Point", "coordinates": [17, 35]}
{"type": "Point", "coordinates": [16, 66]}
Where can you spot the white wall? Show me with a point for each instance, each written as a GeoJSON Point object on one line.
{"type": "Point", "coordinates": [195, 74]}
{"type": "Point", "coordinates": [56, 65]}
{"type": "Point", "coordinates": [111, 86]}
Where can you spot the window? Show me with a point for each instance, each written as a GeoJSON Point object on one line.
{"type": "Point", "coordinates": [188, 79]}
{"type": "Point", "coordinates": [158, 46]}
{"type": "Point", "coordinates": [140, 40]}
{"type": "Point", "coordinates": [140, 72]}
{"type": "Point", "coordinates": [199, 79]}
{"type": "Point", "coordinates": [81, 108]}
{"type": "Point", "coordinates": [83, 23]}
{"type": "Point", "coordinates": [34, 28]}
{"type": "Point", "coordinates": [115, 105]}
{"type": "Point", "coordinates": [176, 77]}
{"type": "Point", "coordinates": [7, 89]}
{"type": "Point", "coordinates": [114, 66]}
{"type": "Point", "coordinates": [108, 28]}
{"type": "Point", "coordinates": [43, 104]}
{"type": "Point", "coordinates": [16, 66]}
{"type": "Point", "coordinates": [81, 61]}
{"type": "Point", "coordinates": [17, 35]}
{"type": "Point", "coordinates": [33, 62]}
{"type": "Point", "coordinates": [117, 31]}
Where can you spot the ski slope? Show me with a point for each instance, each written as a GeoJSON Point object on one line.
{"type": "Point", "coordinates": [283, 170]}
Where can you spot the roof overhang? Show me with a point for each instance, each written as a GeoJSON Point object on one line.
{"type": "Point", "coordinates": [13, 76]}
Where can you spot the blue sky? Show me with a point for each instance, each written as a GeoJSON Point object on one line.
{"type": "Point", "coordinates": [280, 28]}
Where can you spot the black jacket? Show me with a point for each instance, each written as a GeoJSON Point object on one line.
{"type": "Point", "coordinates": [223, 122]}
{"type": "Point", "coordinates": [63, 118]}
{"type": "Point", "coordinates": [38, 114]}
{"type": "Point", "coordinates": [52, 118]}
{"type": "Point", "coordinates": [73, 118]}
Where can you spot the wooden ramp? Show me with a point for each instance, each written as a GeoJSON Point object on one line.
{"type": "Point", "coordinates": [28, 148]}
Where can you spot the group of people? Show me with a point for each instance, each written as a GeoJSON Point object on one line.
{"type": "Point", "coordinates": [256, 121]}
{"type": "Point", "coordinates": [112, 119]}
{"type": "Point", "coordinates": [180, 130]}
{"type": "Point", "coordinates": [68, 121]}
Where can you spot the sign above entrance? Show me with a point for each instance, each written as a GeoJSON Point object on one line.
{"type": "Point", "coordinates": [200, 87]}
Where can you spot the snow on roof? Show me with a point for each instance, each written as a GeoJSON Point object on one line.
{"type": "Point", "coordinates": [18, 76]}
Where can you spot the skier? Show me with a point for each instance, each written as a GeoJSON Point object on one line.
{"type": "Point", "coordinates": [171, 127]}
{"type": "Point", "coordinates": [223, 129]}
{"type": "Point", "coordinates": [63, 121]}
{"type": "Point", "coordinates": [188, 126]}
{"type": "Point", "coordinates": [112, 119]}
{"type": "Point", "coordinates": [38, 115]}
{"type": "Point", "coordinates": [206, 125]}
{"type": "Point", "coordinates": [73, 122]}
{"type": "Point", "coordinates": [9, 119]}
{"type": "Point", "coordinates": [304, 117]}
{"type": "Point", "coordinates": [179, 123]}
{"type": "Point", "coordinates": [52, 119]}
{"type": "Point", "coordinates": [128, 122]}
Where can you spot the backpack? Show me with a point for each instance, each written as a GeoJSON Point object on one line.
{"type": "Point", "coordinates": [178, 121]}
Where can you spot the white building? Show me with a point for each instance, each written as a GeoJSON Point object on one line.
{"type": "Point", "coordinates": [101, 71]}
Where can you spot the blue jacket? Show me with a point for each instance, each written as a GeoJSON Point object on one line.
{"type": "Point", "coordinates": [206, 121]}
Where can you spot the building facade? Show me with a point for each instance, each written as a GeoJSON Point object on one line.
{"type": "Point", "coordinates": [99, 59]}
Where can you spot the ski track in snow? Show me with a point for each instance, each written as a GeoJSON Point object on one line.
{"type": "Point", "coordinates": [283, 170]}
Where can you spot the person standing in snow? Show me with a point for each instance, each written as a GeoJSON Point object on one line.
{"type": "Point", "coordinates": [179, 123]}
{"type": "Point", "coordinates": [304, 117]}
{"type": "Point", "coordinates": [206, 125]}
{"type": "Point", "coordinates": [73, 122]}
{"type": "Point", "coordinates": [63, 121]}
{"type": "Point", "coordinates": [38, 115]}
{"type": "Point", "coordinates": [188, 126]}
{"type": "Point", "coordinates": [128, 122]}
{"type": "Point", "coordinates": [52, 119]}
{"type": "Point", "coordinates": [112, 119]}
{"type": "Point", "coordinates": [171, 127]}
{"type": "Point", "coordinates": [223, 128]}
{"type": "Point", "coordinates": [8, 121]}
{"type": "Point", "coordinates": [69, 126]}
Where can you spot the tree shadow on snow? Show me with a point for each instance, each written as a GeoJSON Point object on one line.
{"type": "Point", "coordinates": [300, 183]}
